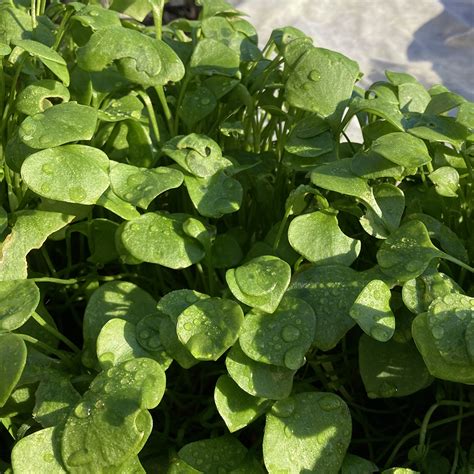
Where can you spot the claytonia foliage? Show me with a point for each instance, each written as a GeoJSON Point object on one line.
{"type": "Point", "coordinates": [203, 271]}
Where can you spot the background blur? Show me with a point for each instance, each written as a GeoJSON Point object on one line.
{"type": "Point", "coordinates": [431, 39]}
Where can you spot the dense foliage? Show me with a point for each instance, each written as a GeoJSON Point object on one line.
{"type": "Point", "coordinates": [200, 269]}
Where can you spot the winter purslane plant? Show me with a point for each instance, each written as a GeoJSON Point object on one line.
{"type": "Point", "coordinates": [200, 270]}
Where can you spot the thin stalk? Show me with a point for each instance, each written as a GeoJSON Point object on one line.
{"type": "Point", "coordinates": [151, 113]}
{"type": "Point", "coordinates": [457, 262]}
{"type": "Point", "coordinates": [61, 30]}
{"type": "Point", "coordinates": [166, 110]}
{"type": "Point", "coordinates": [45, 347]}
{"type": "Point", "coordinates": [54, 332]}
{"type": "Point", "coordinates": [182, 91]}
{"type": "Point", "coordinates": [34, 23]}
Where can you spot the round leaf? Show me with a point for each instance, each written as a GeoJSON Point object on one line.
{"type": "Point", "coordinates": [371, 310]}
{"type": "Point", "coordinates": [318, 238]}
{"type": "Point", "coordinates": [13, 357]}
{"type": "Point", "coordinates": [160, 239]}
{"type": "Point", "coordinates": [71, 173]}
{"type": "Point", "coordinates": [308, 432]}
{"type": "Point", "coordinates": [281, 338]}
{"type": "Point", "coordinates": [209, 327]}
{"type": "Point", "coordinates": [18, 300]}
{"type": "Point", "coordinates": [260, 283]}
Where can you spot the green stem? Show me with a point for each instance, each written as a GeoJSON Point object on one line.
{"type": "Point", "coordinates": [457, 262]}
{"type": "Point", "coordinates": [61, 30]}
{"type": "Point", "coordinates": [151, 113]}
{"type": "Point", "coordinates": [281, 229]}
{"type": "Point", "coordinates": [11, 97]}
{"type": "Point", "coordinates": [57, 281]}
{"type": "Point", "coordinates": [45, 347]}
{"type": "Point", "coordinates": [33, 14]}
{"type": "Point", "coordinates": [53, 331]}
{"type": "Point", "coordinates": [157, 11]}
{"type": "Point", "coordinates": [182, 91]}
{"type": "Point", "coordinates": [164, 104]}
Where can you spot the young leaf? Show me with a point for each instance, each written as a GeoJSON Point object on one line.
{"type": "Point", "coordinates": [402, 149]}
{"type": "Point", "coordinates": [446, 181]}
{"type": "Point", "coordinates": [209, 327]}
{"type": "Point", "coordinates": [216, 195]}
{"type": "Point", "coordinates": [331, 292]}
{"type": "Point", "coordinates": [391, 369]}
{"type": "Point", "coordinates": [111, 423]}
{"type": "Point", "coordinates": [18, 301]}
{"type": "Point", "coordinates": [281, 338]}
{"type": "Point", "coordinates": [237, 408]}
{"type": "Point", "coordinates": [34, 99]}
{"type": "Point", "coordinates": [48, 173]}
{"type": "Point", "coordinates": [140, 186]}
{"type": "Point", "coordinates": [308, 432]}
{"type": "Point", "coordinates": [50, 58]}
{"type": "Point", "coordinates": [338, 177]}
{"type": "Point", "coordinates": [407, 252]}
{"type": "Point", "coordinates": [13, 357]}
{"type": "Point", "coordinates": [260, 283]}
{"type": "Point", "coordinates": [212, 57]}
{"type": "Point", "coordinates": [70, 121]}
{"type": "Point", "coordinates": [318, 238]}
{"type": "Point", "coordinates": [116, 299]}
{"type": "Point", "coordinates": [140, 58]}
{"type": "Point", "coordinates": [353, 464]}
{"type": "Point", "coordinates": [257, 379]}
{"type": "Point", "coordinates": [29, 232]}
{"type": "Point", "coordinates": [39, 452]}
{"type": "Point", "coordinates": [214, 455]}
{"type": "Point", "coordinates": [158, 238]}
{"type": "Point", "coordinates": [371, 310]}
{"type": "Point", "coordinates": [322, 82]}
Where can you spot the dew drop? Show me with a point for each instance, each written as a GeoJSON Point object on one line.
{"type": "Point", "coordinates": [284, 408]}
{"type": "Point", "coordinates": [48, 457]}
{"type": "Point", "coordinates": [130, 366]}
{"type": "Point", "coordinates": [47, 169]}
{"type": "Point", "coordinates": [136, 179]}
{"type": "Point", "coordinates": [387, 389]}
{"type": "Point", "coordinates": [77, 193]}
{"type": "Point", "coordinates": [45, 188]}
{"type": "Point", "coordinates": [438, 332]}
{"type": "Point", "coordinates": [188, 326]}
{"type": "Point", "coordinates": [380, 334]}
{"type": "Point", "coordinates": [413, 266]}
{"type": "Point", "coordinates": [290, 333]}
{"type": "Point", "coordinates": [144, 334]}
{"type": "Point", "coordinates": [314, 75]}
{"type": "Point", "coordinates": [79, 458]}
{"type": "Point", "coordinates": [330, 403]}
{"type": "Point", "coordinates": [94, 13]}
{"type": "Point", "coordinates": [82, 410]}
{"type": "Point", "coordinates": [154, 342]}
{"type": "Point", "coordinates": [205, 101]}
{"type": "Point", "coordinates": [288, 432]}
{"type": "Point", "coordinates": [293, 358]}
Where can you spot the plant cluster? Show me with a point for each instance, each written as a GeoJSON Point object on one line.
{"type": "Point", "coordinates": [200, 269]}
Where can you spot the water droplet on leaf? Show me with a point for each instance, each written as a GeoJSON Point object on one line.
{"type": "Point", "coordinates": [290, 333]}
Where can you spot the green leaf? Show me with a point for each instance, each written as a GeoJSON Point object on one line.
{"type": "Point", "coordinates": [371, 310]}
{"type": "Point", "coordinates": [34, 99]}
{"type": "Point", "coordinates": [158, 238]}
{"type": "Point", "coordinates": [13, 357]}
{"type": "Point", "coordinates": [214, 196]}
{"type": "Point", "coordinates": [322, 82]}
{"type": "Point", "coordinates": [138, 9]}
{"type": "Point", "coordinates": [258, 379]}
{"type": "Point", "coordinates": [353, 464]}
{"type": "Point", "coordinates": [212, 57]}
{"type": "Point", "coordinates": [115, 299]}
{"type": "Point", "coordinates": [281, 338]}
{"type": "Point", "coordinates": [310, 138]}
{"type": "Point", "coordinates": [260, 283]}
{"type": "Point", "coordinates": [50, 58]}
{"type": "Point", "coordinates": [237, 408]}
{"type": "Point", "coordinates": [308, 432]}
{"type": "Point", "coordinates": [338, 177]}
{"type": "Point", "coordinates": [402, 149]}
{"type": "Point", "coordinates": [111, 423]}
{"type": "Point", "coordinates": [330, 291]}
{"type": "Point", "coordinates": [118, 206]}
{"type": "Point", "coordinates": [216, 7]}
{"type": "Point", "coordinates": [446, 181]}
{"type": "Point", "coordinates": [96, 17]}
{"type": "Point", "coordinates": [70, 121]}
{"type": "Point", "coordinates": [49, 172]}
{"type": "Point", "coordinates": [435, 128]}
{"type": "Point", "coordinates": [128, 107]}
{"type": "Point", "coordinates": [38, 452]}
{"type": "Point", "coordinates": [407, 252]}
{"type": "Point", "coordinates": [391, 202]}
{"type": "Point", "coordinates": [420, 292]}
{"type": "Point", "coordinates": [318, 238]}
{"type": "Point", "coordinates": [380, 107]}
{"type": "Point", "coordinates": [215, 455]}
{"type": "Point", "coordinates": [140, 58]}
{"type": "Point", "coordinates": [370, 165]}
{"type": "Point", "coordinates": [443, 102]}
{"type": "Point", "coordinates": [197, 104]}
{"type": "Point", "coordinates": [30, 231]}
{"type": "Point", "coordinates": [197, 154]}
{"type": "Point", "coordinates": [391, 369]}
{"type": "Point", "coordinates": [140, 186]}
{"type": "Point", "coordinates": [437, 365]}
{"type": "Point", "coordinates": [413, 97]}
{"type": "Point", "coordinates": [209, 327]}
{"type": "Point", "coordinates": [450, 320]}
{"type": "Point", "coordinates": [226, 251]}
{"type": "Point", "coordinates": [18, 301]}
{"type": "Point", "coordinates": [120, 340]}
{"type": "Point", "coordinates": [55, 397]}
